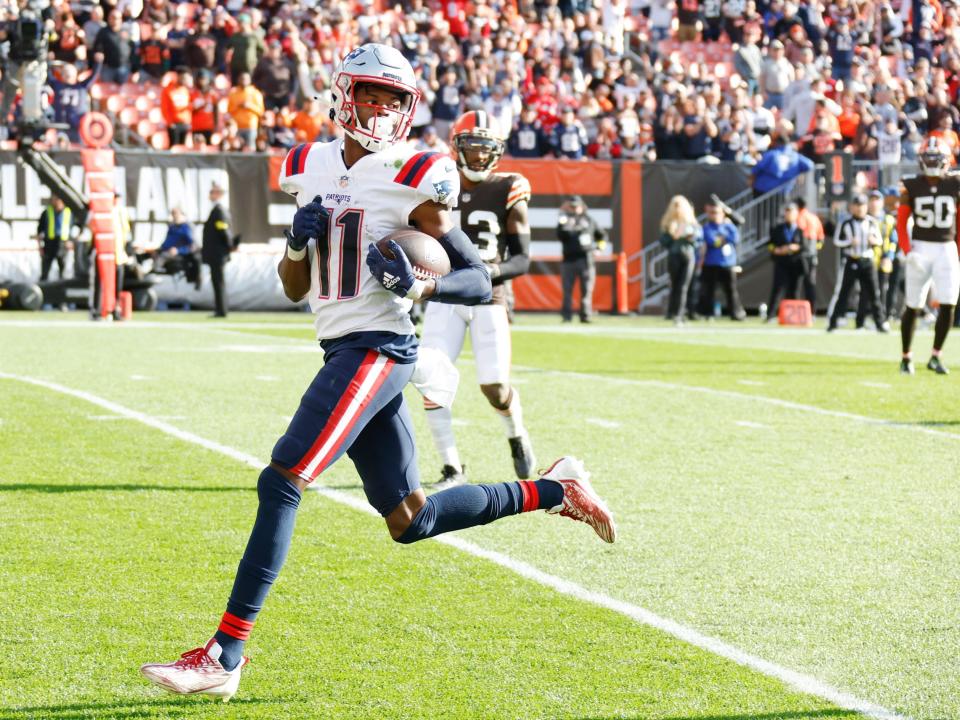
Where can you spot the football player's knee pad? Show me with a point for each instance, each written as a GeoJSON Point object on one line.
{"type": "Point", "coordinates": [435, 377]}
{"type": "Point", "coordinates": [273, 487]}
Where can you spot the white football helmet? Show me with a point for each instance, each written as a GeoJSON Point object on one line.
{"type": "Point", "coordinates": [378, 65]}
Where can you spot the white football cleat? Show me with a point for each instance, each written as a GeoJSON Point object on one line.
{"type": "Point", "coordinates": [580, 502]}
{"type": "Point", "coordinates": [197, 672]}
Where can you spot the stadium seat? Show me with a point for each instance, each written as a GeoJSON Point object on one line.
{"type": "Point", "coordinates": [155, 115]}
{"type": "Point", "coordinates": [221, 83]}
{"type": "Point", "coordinates": [160, 140]}
{"type": "Point", "coordinates": [143, 104]}
{"type": "Point", "coordinates": [129, 116]}
{"type": "Point", "coordinates": [115, 104]}
{"type": "Point", "coordinates": [146, 129]}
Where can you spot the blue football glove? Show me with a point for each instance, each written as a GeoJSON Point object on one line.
{"type": "Point", "coordinates": [395, 275]}
{"type": "Point", "coordinates": [310, 221]}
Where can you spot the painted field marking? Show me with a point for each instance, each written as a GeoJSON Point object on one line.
{"type": "Point", "coordinates": [600, 422]}
{"type": "Point", "coordinates": [880, 385]}
{"type": "Point", "coordinates": [140, 377]}
{"type": "Point", "coordinates": [734, 395]}
{"type": "Point", "coordinates": [752, 425]}
{"type": "Point", "coordinates": [105, 418]}
{"type": "Point", "coordinates": [804, 683]}
{"type": "Point", "coordinates": [751, 383]}
{"type": "Point", "coordinates": [460, 422]}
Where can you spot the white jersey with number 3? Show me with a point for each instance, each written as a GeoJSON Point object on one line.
{"type": "Point", "coordinates": [366, 202]}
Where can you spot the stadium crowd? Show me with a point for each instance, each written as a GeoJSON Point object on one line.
{"type": "Point", "coordinates": [704, 80]}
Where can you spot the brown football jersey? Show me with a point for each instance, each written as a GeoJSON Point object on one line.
{"type": "Point", "coordinates": [483, 214]}
{"type": "Point", "coordinates": [933, 207]}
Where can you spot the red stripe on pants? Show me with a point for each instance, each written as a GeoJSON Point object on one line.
{"type": "Point", "coordinates": [350, 395]}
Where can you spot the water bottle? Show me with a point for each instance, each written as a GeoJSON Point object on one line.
{"type": "Point", "coordinates": [717, 309]}
{"type": "Point", "coordinates": [763, 311]}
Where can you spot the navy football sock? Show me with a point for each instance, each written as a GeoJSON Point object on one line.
{"type": "Point", "coordinates": [261, 563]}
{"type": "Point", "coordinates": [468, 505]}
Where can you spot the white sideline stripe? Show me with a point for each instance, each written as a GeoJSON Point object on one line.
{"type": "Point", "coordinates": [733, 394]}
{"type": "Point", "coordinates": [379, 366]}
{"type": "Point", "coordinates": [610, 424]}
{"type": "Point", "coordinates": [804, 683]}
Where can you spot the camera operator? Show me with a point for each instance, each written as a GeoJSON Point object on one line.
{"type": "Point", "coordinates": [25, 66]}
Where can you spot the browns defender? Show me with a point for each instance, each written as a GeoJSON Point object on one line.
{"type": "Point", "coordinates": [493, 214]}
{"type": "Point", "coordinates": [931, 199]}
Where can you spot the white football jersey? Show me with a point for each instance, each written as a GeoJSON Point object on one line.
{"type": "Point", "coordinates": [366, 202]}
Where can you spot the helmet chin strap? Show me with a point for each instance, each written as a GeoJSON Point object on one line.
{"type": "Point", "coordinates": [476, 175]}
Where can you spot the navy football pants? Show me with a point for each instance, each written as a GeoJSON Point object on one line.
{"type": "Point", "coordinates": [355, 405]}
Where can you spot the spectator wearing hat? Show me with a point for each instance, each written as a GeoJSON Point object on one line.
{"type": "Point", "coordinates": [244, 49]}
{"type": "Point", "coordinates": [217, 246]}
{"type": "Point", "coordinates": [580, 237]}
{"type": "Point", "coordinates": [775, 76]}
{"type": "Point", "coordinates": [720, 238]}
{"type": "Point", "coordinates": [275, 77]}
{"type": "Point", "coordinates": [857, 238]}
{"type": "Point", "coordinates": [176, 106]}
{"type": "Point", "coordinates": [780, 165]}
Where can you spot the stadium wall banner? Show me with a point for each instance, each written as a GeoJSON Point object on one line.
{"type": "Point", "coordinates": [625, 198]}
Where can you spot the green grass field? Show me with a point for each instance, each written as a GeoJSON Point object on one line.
{"type": "Point", "coordinates": [780, 493]}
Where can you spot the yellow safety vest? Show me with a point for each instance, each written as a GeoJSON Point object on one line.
{"type": "Point", "coordinates": [64, 224]}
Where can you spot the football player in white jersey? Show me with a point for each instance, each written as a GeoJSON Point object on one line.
{"type": "Point", "coordinates": [350, 193]}
{"type": "Point", "coordinates": [493, 214]}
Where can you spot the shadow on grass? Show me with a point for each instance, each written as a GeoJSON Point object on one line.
{"type": "Point", "coordinates": [119, 487]}
{"type": "Point", "coordinates": [180, 707]}
{"type": "Point", "coordinates": [787, 715]}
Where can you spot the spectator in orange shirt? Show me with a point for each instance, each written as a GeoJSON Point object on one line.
{"type": "Point", "coordinates": [308, 123]}
{"type": "Point", "coordinates": [245, 106]}
{"type": "Point", "coordinates": [175, 106]}
{"type": "Point", "coordinates": [945, 132]}
{"type": "Point", "coordinates": [203, 103]}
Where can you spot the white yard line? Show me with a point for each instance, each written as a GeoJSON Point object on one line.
{"type": "Point", "coordinates": [600, 422]}
{"type": "Point", "coordinates": [734, 395]}
{"type": "Point", "coordinates": [804, 683]}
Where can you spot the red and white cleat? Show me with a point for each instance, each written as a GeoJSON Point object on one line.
{"type": "Point", "coordinates": [580, 502]}
{"type": "Point", "coordinates": [197, 672]}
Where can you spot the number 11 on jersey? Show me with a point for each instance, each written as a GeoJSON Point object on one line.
{"type": "Point", "coordinates": [346, 256]}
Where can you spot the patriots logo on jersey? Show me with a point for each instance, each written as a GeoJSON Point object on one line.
{"type": "Point", "coordinates": [444, 189]}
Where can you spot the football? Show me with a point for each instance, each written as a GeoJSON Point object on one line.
{"type": "Point", "coordinates": [426, 255]}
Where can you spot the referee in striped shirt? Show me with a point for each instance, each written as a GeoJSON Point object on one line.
{"type": "Point", "coordinates": [857, 237]}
